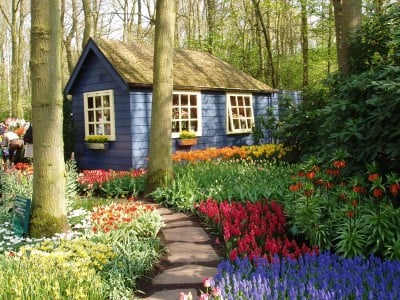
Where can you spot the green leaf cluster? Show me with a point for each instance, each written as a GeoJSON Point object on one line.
{"type": "Point", "coordinates": [362, 113]}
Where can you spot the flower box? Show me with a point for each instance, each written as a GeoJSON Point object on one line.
{"type": "Point", "coordinates": [98, 146]}
{"type": "Point", "coordinates": [187, 142]}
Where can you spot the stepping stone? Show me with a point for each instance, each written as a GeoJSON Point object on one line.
{"type": "Point", "coordinates": [164, 211]}
{"type": "Point", "coordinates": [185, 234]}
{"type": "Point", "coordinates": [179, 223]}
{"type": "Point", "coordinates": [184, 275]}
{"type": "Point", "coordinates": [179, 252]}
{"type": "Point", "coordinates": [171, 294]}
{"type": "Point", "coordinates": [175, 217]}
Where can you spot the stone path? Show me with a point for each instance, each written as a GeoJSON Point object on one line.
{"type": "Point", "coordinates": [190, 257]}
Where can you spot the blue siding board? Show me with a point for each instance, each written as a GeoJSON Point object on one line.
{"type": "Point", "coordinates": [118, 157]}
{"type": "Point", "coordinates": [140, 109]}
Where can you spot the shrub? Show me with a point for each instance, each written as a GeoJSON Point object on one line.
{"type": "Point", "coordinates": [96, 139]}
{"type": "Point", "coordinates": [187, 135]}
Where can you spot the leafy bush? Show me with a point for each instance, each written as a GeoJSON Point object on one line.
{"type": "Point", "coordinates": [362, 115]}
{"type": "Point", "coordinates": [298, 126]}
{"type": "Point", "coordinates": [349, 215]}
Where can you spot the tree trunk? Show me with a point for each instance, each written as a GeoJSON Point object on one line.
{"type": "Point", "coordinates": [304, 41]}
{"type": "Point", "coordinates": [210, 24]}
{"type": "Point", "coordinates": [160, 150]}
{"type": "Point", "coordinates": [347, 19]}
{"type": "Point", "coordinates": [267, 40]}
{"type": "Point", "coordinates": [331, 49]}
{"type": "Point", "coordinates": [87, 31]}
{"type": "Point", "coordinates": [49, 213]}
{"type": "Point", "coordinates": [70, 36]}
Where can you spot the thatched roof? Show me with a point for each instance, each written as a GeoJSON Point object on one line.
{"type": "Point", "coordinates": [192, 69]}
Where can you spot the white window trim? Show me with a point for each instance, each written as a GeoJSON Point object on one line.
{"type": "Point", "coordinates": [199, 118]}
{"type": "Point", "coordinates": [110, 93]}
{"type": "Point", "coordinates": [229, 120]}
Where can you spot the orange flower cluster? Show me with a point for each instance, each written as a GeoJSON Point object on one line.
{"type": "Point", "coordinates": [266, 151]}
{"type": "Point", "coordinates": [112, 217]}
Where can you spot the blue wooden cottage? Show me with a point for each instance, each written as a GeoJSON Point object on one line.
{"type": "Point", "coordinates": [111, 93]}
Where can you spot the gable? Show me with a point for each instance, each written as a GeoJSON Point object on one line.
{"type": "Point", "coordinates": [92, 53]}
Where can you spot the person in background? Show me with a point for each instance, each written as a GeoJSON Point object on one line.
{"type": "Point", "coordinates": [3, 152]}
{"type": "Point", "coordinates": [28, 142]}
{"type": "Point", "coordinates": [14, 144]}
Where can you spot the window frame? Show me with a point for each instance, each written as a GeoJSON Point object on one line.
{"type": "Point", "coordinates": [187, 108]}
{"type": "Point", "coordinates": [91, 118]}
{"type": "Point", "coordinates": [246, 108]}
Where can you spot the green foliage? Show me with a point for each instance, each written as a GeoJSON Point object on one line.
{"type": "Point", "coordinates": [351, 240]}
{"type": "Point", "coordinates": [223, 180]}
{"type": "Point", "coordinates": [137, 250]}
{"type": "Point", "coordinates": [297, 126]}
{"type": "Point", "coordinates": [96, 139]}
{"type": "Point", "coordinates": [99, 265]}
{"type": "Point", "coordinates": [381, 222]}
{"type": "Point", "coordinates": [13, 184]}
{"type": "Point", "coordinates": [50, 276]}
{"type": "Point", "coordinates": [126, 186]}
{"type": "Point", "coordinates": [187, 135]}
{"type": "Point", "coordinates": [362, 115]}
{"type": "Point", "coordinates": [71, 185]}
{"type": "Point", "coordinates": [68, 129]}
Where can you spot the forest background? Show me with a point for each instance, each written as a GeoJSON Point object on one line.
{"type": "Point", "coordinates": [289, 44]}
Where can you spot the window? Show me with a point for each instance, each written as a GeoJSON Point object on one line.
{"type": "Point", "coordinates": [240, 117]}
{"type": "Point", "coordinates": [186, 113]}
{"type": "Point", "coordinates": [99, 113]}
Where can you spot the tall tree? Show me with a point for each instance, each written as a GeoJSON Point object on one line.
{"type": "Point", "coordinates": [49, 212]}
{"type": "Point", "coordinates": [347, 20]}
{"type": "Point", "coordinates": [72, 33]}
{"type": "Point", "coordinates": [16, 28]}
{"type": "Point", "coordinates": [304, 40]}
{"type": "Point", "coordinates": [267, 39]}
{"type": "Point", "coordinates": [160, 161]}
{"type": "Point", "coordinates": [88, 30]}
{"type": "Point", "coordinates": [211, 6]}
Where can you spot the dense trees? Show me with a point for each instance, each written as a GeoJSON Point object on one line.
{"type": "Point", "coordinates": [261, 37]}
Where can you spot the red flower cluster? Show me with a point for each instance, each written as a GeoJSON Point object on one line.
{"type": "Point", "coordinates": [92, 178]}
{"type": "Point", "coordinates": [252, 229]}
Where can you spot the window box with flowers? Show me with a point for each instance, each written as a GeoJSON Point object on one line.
{"type": "Point", "coordinates": [97, 142]}
{"type": "Point", "coordinates": [187, 138]}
